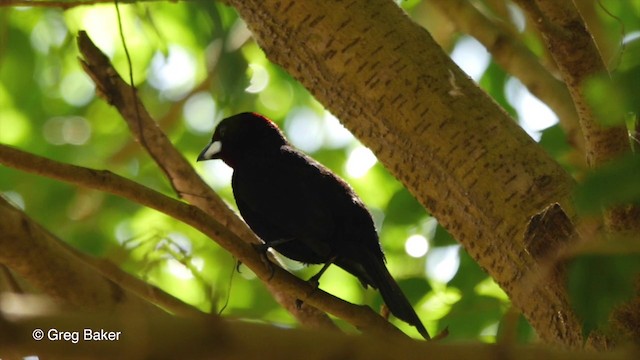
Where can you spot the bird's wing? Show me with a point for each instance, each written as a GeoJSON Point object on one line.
{"type": "Point", "coordinates": [290, 196]}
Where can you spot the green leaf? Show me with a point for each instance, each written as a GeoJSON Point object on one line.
{"type": "Point", "coordinates": [493, 81]}
{"type": "Point", "coordinates": [469, 316]}
{"type": "Point", "coordinates": [414, 288]}
{"type": "Point", "coordinates": [615, 183]}
{"type": "Point", "coordinates": [442, 237]}
{"type": "Point", "coordinates": [554, 141]}
{"type": "Point", "coordinates": [404, 209]}
{"type": "Point", "coordinates": [598, 283]}
{"type": "Point", "coordinates": [607, 98]}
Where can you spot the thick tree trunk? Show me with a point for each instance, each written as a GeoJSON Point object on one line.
{"type": "Point", "coordinates": [459, 153]}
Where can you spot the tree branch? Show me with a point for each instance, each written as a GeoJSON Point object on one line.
{"type": "Point", "coordinates": [578, 58]}
{"type": "Point", "coordinates": [518, 60]}
{"type": "Point", "coordinates": [168, 121]}
{"type": "Point", "coordinates": [8, 282]}
{"type": "Point", "coordinates": [54, 268]}
{"type": "Point", "coordinates": [164, 337]}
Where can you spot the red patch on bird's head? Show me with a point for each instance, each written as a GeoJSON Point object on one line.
{"type": "Point", "coordinates": [245, 135]}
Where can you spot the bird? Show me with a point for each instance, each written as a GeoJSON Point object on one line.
{"type": "Point", "coordinates": [300, 208]}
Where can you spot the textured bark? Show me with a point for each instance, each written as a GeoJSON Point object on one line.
{"type": "Point", "coordinates": [460, 154]}
{"type": "Point", "coordinates": [513, 56]}
{"type": "Point", "coordinates": [578, 58]}
{"type": "Point", "coordinates": [51, 267]}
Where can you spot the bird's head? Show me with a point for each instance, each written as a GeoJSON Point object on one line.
{"type": "Point", "coordinates": [241, 136]}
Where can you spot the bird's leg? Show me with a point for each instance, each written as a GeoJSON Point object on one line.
{"type": "Point", "coordinates": [315, 280]}
{"type": "Point", "coordinates": [264, 247]}
{"type": "Point", "coordinates": [262, 250]}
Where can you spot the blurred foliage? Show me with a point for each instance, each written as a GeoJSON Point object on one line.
{"type": "Point", "coordinates": [194, 63]}
{"type": "Point", "coordinates": [598, 283]}
{"type": "Point", "coordinates": [616, 183]}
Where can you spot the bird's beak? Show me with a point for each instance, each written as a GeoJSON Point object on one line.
{"type": "Point", "coordinates": [211, 151]}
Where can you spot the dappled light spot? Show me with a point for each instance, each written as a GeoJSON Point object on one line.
{"type": "Point", "coordinates": [360, 160]}
{"type": "Point", "coordinates": [471, 56]}
{"type": "Point", "coordinates": [84, 205]}
{"type": "Point", "coordinates": [199, 113]}
{"type": "Point", "coordinates": [533, 114]}
{"type": "Point", "coordinates": [179, 270]}
{"type": "Point", "coordinates": [277, 98]}
{"type": "Point", "coordinates": [488, 287]}
{"type": "Point", "coordinates": [336, 135]}
{"type": "Point", "coordinates": [489, 332]}
{"type": "Point", "coordinates": [179, 243]}
{"type": "Point", "coordinates": [14, 126]}
{"type": "Point", "coordinates": [73, 130]}
{"type": "Point", "coordinates": [123, 232]}
{"type": "Point", "coordinates": [49, 32]}
{"type": "Point", "coordinates": [443, 262]}
{"type": "Point", "coordinates": [102, 26]}
{"type": "Point", "coordinates": [52, 131]}
{"type": "Point", "coordinates": [174, 74]}
{"type": "Point", "coordinates": [416, 245]}
{"type": "Point", "coordinates": [517, 17]}
{"type": "Point", "coordinates": [239, 34]}
{"type": "Point", "coordinates": [439, 301]}
{"type": "Point", "coordinates": [304, 129]}
{"type": "Point", "coordinates": [77, 89]}
{"type": "Point", "coordinates": [259, 79]}
{"type": "Point", "coordinates": [14, 198]}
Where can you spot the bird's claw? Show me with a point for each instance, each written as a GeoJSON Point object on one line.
{"type": "Point", "coordinates": [384, 311]}
{"type": "Point", "coordinates": [262, 250]}
{"type": "Point", "coordinates": [314, 281]}
{"type": "Point", "coordinates": [315, 285]}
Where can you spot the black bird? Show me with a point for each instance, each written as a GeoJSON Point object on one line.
{"type": "Point", "coordinates": [300, 208]}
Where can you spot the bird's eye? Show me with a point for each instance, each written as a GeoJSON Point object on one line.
{"type": "Point", "coordinates": [219, 134]}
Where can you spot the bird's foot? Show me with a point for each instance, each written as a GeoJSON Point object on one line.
{"type": "Point", "coordinates": [384, 311]}
{"type": "Point", "coordinates": [262, 250]}
{"type": "Point", "coordinates": [442, 334]}
{"type": "Point", "coordinates": [314, 281]}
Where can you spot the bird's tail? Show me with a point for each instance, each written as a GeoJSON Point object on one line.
{"type": "Point", "coordinates": [393, 296]}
